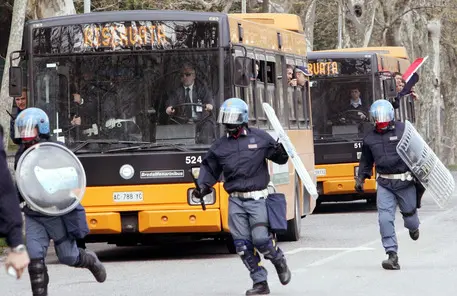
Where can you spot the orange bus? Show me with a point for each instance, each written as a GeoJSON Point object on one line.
{"type": "Point", "coordinates": [338, 129]}
{"type": "Point", "coordinates": [105, 79]}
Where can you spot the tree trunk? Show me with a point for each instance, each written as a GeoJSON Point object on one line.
{"type": "Point", "coordinates": [50, 8]}
{"type": "Point", "coordinates": [309, 20]}
{"type": "Point", "coordinates": [434, 29]}
{"type": "Point", "coordinates": [15, 43]}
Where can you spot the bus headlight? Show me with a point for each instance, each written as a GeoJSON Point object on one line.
{"type": "Point", "coordinates": [209, 199]}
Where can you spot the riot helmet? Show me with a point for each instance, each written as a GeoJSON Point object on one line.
{"type": "Point", "coordinates": [382, 114]}
{"type": "Point", "coordinates": [233, 114]}
{"type": "Point", "coordinates": [31, 125]}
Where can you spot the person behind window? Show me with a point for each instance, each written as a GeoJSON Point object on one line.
{"type": "Point", "coordinates": [301, 73]}
{"type": "Point", "coordinates": [191, 92]}
{"type": "Point", "coordinates": [291, 81]}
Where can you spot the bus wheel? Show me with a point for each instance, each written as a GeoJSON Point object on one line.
{"type": "Point", "coordinates": [230, 245]}
{"type": "Point", "coordinates": [294, 225]}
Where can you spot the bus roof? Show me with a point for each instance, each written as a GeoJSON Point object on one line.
{"type": "Point", "coordinates": [290, 22]}
{"type": "Point", "coordinates": [261, 30]}
{"type": "Point", "coordinates": [129, 15]}
{"type": "Point", "coordinates": [395, 51]}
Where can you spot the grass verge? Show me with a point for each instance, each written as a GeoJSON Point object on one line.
{"type": "Point", "coordinates": [452, 167]}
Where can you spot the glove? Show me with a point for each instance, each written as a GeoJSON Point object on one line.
{"type": "Point", "coordinates": [200, 193]}
{"type": "Point", "coordinates": [279, 147]}
{"type": "Point", "coordinates": [359, 185]}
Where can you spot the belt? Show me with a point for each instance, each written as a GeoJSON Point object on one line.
{"type": "Point", "coordinates": [405, 176]}
{"type": "Point", "coordinates": [251, 194]}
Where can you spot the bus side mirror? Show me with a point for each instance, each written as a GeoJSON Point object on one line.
{"type": "Point", "coordinates": [242, 71]}
{"type": "Point", "coordinates": [15, 83]}
{"type": "Point", "coordinates": [390, 87]}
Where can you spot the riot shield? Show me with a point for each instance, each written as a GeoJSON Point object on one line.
{"type": "Point", "coordinates": [51, 179]}
{"type": "Point", "coordinates": [290, 149]}
{"type": "Point", "coordinates": [425, 165]}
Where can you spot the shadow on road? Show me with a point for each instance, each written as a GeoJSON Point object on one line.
{"type": "Point", "coordinates": [205, 249]}
{"type": "Point", "coordinates": [344, 207]}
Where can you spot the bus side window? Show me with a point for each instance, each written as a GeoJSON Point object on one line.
{"type": "Point", "coordinates": [281, 85]}
{"type": "Point", "coordinates": [250, 96]}
{"type": "Point", "coordinates": [259, 94]}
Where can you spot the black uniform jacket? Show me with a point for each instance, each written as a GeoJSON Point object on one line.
{"type": "Point", "coordinates": [380, 149]}
{"type": "Point", "coordinates": [10, 212]}
{"type": "Point", "coordinates": [242, 161]}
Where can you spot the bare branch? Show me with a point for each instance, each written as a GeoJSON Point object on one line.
{"type": "Point", "coordinates": [106, 7]}
{"type": "Point", "coordinates": [412, 9]}
{"type": "Point", "coordinates": [228, 5]}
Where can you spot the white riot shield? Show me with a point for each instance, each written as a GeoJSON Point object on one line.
{"type": "Point", "coordinates": [290, 149]}
{"type": "Point", "coordinates": [425, 165]}
{"type": "Point", "coordinates": [51, 179]}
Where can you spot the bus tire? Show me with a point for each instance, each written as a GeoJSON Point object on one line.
{"type": "Point", "coordinates": [230, 245]}
{"type": "Point", "coordinates": [293, 225]}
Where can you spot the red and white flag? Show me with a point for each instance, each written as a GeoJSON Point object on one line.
{"type": "Point", "coordinates": [413, 68]}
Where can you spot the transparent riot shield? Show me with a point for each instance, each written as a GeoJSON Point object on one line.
{"type": "Point", "coordinates": [51, 179]}
{"type": "Point", "coordinates": [290, 149]}
{"type": "Point", "coordinates": [425, 165]}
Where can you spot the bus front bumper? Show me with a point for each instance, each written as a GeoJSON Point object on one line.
{"type": "Point", "coordinates": [163, 221]}
{"type": "Point", "coordinates": [343, 186]}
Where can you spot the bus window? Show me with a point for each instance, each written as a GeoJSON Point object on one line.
{"type": "Point", "coordinates": [340, 106]}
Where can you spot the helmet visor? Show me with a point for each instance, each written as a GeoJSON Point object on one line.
{"type": "Point", "coordinates": [381, 114]}
{"type": "Point", "coordinates": [230, 116]}
{"type": "Point", "coordinates": [26, 130]}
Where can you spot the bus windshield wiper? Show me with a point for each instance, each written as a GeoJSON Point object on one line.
{"type": "Point", "coordinates": [149, 146]}
{"type": "Point", "coordinates": [101, 141]}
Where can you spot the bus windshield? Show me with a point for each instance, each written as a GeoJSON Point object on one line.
{"type": "Point", "coordinates": [156, 86]}
{"type": "Point", "coordinates": [340, 107]}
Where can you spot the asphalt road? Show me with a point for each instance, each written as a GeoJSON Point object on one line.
{"type": "Point", "coordinates": [340, 253]}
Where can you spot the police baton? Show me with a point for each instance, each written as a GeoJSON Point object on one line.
{"type": "Point", "coordinates": [11, 115]}
{"type": "Point", "coordinates": [191, 171]}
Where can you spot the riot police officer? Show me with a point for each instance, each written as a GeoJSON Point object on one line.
{"type": "Point", "coordinates": [241, 156]}
{"type": "Point", "coordinates": [396, 184]}
{"type": "Point", "coordinates": [32, 127]}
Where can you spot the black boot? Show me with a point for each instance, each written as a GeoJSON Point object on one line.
{"type": "Point", "coordinates": [391, 263]}
{"type": "Point", "coordinates": [39, 278]}
{"type": "Point", "coordinates": [414, 234]}
{"type": "Point", "coordinates": [88, 259]}
{"type": "Point", "coordinates": [283, 271]}
{"type": "Point", "coordinates": [259, 289]}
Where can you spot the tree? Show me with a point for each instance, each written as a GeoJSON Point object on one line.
{"type": "Point", "coordinates": [15, 42]}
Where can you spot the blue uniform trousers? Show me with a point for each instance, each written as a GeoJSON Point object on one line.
{"type": "Point", "coordinates": [387, 201]}
{"type": "Point", "coordinates": [39, 231]}
{"type": "Point", "coordinates": [248, 223]}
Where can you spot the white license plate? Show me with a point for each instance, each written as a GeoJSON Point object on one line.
{"type": "Point", "coordinates": [127, 196]}
{"type": "Point", "coordinates": [320, 172]}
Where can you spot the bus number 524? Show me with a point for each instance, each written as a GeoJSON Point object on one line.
{"type": "Point", "coordinates": [193, 159]}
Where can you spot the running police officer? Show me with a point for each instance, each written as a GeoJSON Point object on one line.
{"type": "Point", "coordinates": [396, 184]}
{"type": "Point", "coordinates": [241, 155]}
{"type": "Point", "coordinates": [32, 127]}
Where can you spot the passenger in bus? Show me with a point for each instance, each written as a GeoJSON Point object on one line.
{"type": "Point", "coordinates": [120, 108]}
{"type": "Point", "coordinates": [200, 110]}
{"type": "Point", "coordinates": [21, 104]}
{"type": "Point", "coordinates": [241, 156]}
{"type": "Point", "coordinates": [396, 183]}
{"type": "Point", "coordinates": [291, 81]}
{"type": "Point", "coordinates": [301, 73]}
{"type": "Point", "coordinates": [401, 88]}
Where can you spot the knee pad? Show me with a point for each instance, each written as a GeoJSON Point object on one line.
{"type": "Point", "coordinates": [409, 214]}
{"type": "Point", "coordinates": [39, 278]}
{"type": "Point", "coordinates": [250, 258]}
{"type": "Point", "coordinates": [270, 249]}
